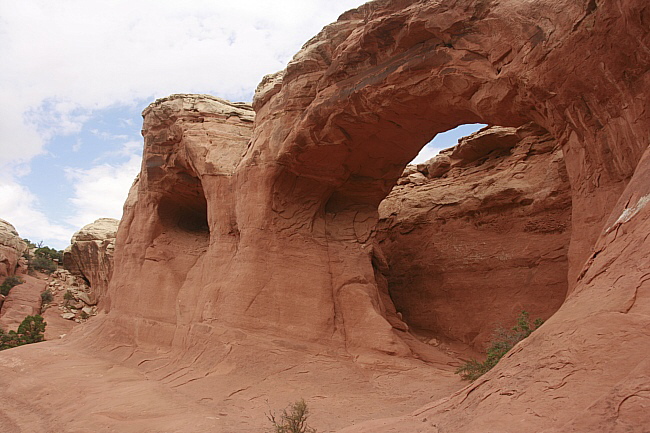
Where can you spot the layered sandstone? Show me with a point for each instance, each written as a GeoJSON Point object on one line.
{"type": "Point", "coordinates": [472, 243]}
{"type": "Point", "coordinates": [237, 247]}
{"type": "Point", "coordinates": [173, 265]}
{"type": "Point", "coordinates": [90, 255]}
{"type": "Point", "coordinates": [12, 248]}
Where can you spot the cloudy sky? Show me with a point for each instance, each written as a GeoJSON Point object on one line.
{"type": "Point", "coordinates": [76, 74]}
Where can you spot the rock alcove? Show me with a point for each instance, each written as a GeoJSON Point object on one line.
{"type": "Point", "coordinates": [478, 234]}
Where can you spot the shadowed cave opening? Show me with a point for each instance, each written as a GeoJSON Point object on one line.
{"type": "Point", "coordinates": [183, 209]}
{"type": "Point", "coordinates": [469, 249]}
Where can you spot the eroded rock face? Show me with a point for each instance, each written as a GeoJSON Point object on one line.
{"type": "Point", "coordinates": [205, 238]}
{"type": "Point", "coordinates": [469, 250]}
{"type": "Point", "coordinates": [90, 255]}
{"type": "Point", "coordinates": [280, 239]}
{"type": "Point", "coordinates": [276, 237]}
{"type": "Point", "coordinates": [179, 229]}
{"type": "Point", "coordinates": [12, 248]}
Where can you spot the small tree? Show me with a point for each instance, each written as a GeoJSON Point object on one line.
{"type": "Point", "coordinates": [31, 330]}
{"type": "Point", "coordinates": [47, 296]}
{"type": "Point", "coordinates": [49, 253]}
{"type": "Point", "coordinates": [294, 421]}
{"type": "Point", "coordinates": [8, 340]}
{"type": "Point", "coordinates": [43, 264]}
{"type": "Point", "coordinates": [502, 341]}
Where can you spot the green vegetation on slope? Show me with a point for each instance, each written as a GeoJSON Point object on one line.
{"type": "Point", "coordinates": [502, 342]}
{"type": "Point", "coordinates": [31, 330]}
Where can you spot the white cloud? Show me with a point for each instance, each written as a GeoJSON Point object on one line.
{"type": "Point", "coordinates": [426, 154]}
{"type": "Point", "coordinates": [445, 140]}
{"type": "Point", "coordinates": [100, 191]}
{"type": "Point", "coordinates": [64, 61]}
{"type": "Point", "coordinates": [21, 208]}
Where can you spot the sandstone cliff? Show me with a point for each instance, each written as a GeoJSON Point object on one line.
{"type": "Point", "coordinates": [478, 234]}
{"type": "Point", "coordinates": [237, 247]}
{"type": "Point", "coordinates": [12, 248]}
{"type": "Point", "coordinates": [90, 255]}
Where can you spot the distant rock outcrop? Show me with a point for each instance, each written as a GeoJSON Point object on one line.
{"type": "Point", "coordinates": [479, 237]}
{"type": "Point", "coordinates": [12, 248]}
{"type": "Point", "coordinates": [90, 255]}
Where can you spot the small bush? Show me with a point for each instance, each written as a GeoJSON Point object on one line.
{"type": "Point", "coordinates": [47, 297]}
{"type": "Point", "coordinates": [68, 297]}
{"type": "Point", "coordinates": [502, 341]}
{"type": "Point", "coordinates": [31, 330]}
{"type": "Point", "coordinates": [42, 264]}
{"type": "Point", "coordinates": [9, 283]}
{"type": "Point", "coordinates": [294, 421]}
{"type": "Point", "coordinates": [49, 253]}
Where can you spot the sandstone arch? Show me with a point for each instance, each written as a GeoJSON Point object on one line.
{"type": "Point", "coordinates": [334, 130]}
{"type": "Point", "coordinates": [291, 214]}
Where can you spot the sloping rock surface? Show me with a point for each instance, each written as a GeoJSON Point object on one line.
{"type": "Point", "coordinates": [90, 255]}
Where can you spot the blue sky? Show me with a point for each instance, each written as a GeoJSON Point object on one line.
{"type": "Point", "coordinates": [76, 75]}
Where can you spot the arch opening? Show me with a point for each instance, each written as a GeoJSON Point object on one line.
{"type": "Point", "coordinates": [446, 140]}
{"type": "Point", "coordinates": [477, 234]}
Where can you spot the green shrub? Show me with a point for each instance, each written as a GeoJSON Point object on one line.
{"type": "Point", "coordinates": [49, 253]}
{"type": "Point", "coordinates": [31, 330]}
{"type": "Point", "coordinates": [47, 297]}
{"type": "Point", "coordinates": [294, 421]}
{"type": "Point", "coordinates": [9, 283]}
{"type": "Point", "coordinates": [502, 341]}
{"type": "Point", "coordinates": [42, 264]}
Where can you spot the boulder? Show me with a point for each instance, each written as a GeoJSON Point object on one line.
{"type": "Point", "coordinates": [23, 300]}
{"type": "Point", "coordinates": [494, 140]}
{"type": "Point", "coordinates": [12, 248]}
{"type": "Point", "coordinates": [90, 256]}
{"type": "Point", "coordinates": [438, 165]}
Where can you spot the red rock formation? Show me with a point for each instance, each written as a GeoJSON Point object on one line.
{"type": "Point", "coordinates": [12, 248]}
{"type": "Point", "coordinates": [217, 250]}
{"type": "Point", "coordinates": [90, 255]}
{"type": "Point", "coordinates": [481, 241]}
{"type": "Point", "coordinates": [290, 252]}
{"type": "Point", "coordinates": [23, 300]}
{"type": "Point", "coordinates": [206, 239]}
